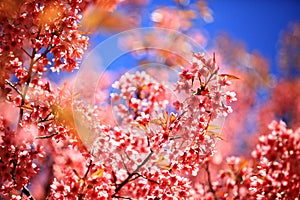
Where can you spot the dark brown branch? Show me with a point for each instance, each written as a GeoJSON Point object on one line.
{"type": "Point", "coordinates": [81, 196]}
{"type": "Point", "coordinates": [30, 71]}
{"type": "Point", "coordinates": [125, 164]}
{"type": "Point", "coordinates": [46, 136]}
{"type": "Point", "coordinates": [14, 87]}
{"type": "Point", "coordinates": [128, 179]}
{"type": "Point", "coordinates": [26, 86]}
{"type": "Point", "coordinates": [26, 52]}
{"type": "Point", "coordinates": [136, 177]}
{"type": "Point", "coordinates": [150, 180]}
{"type": "Point", "coordinates": [26, 191]}
{"type": "Point", "coordinates": [88, 169]}
{"type": "Point", "coordinates": [121, 197]}
{"type": "Point", "coordinates": [211, 189]}
{"type": "Point", "coordinates": [46, 118]}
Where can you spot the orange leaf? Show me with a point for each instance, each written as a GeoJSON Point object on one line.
{"type": "Point", "coordinates": [215, 134]}
{"type": "Point", "coordinates": [98, 173]}
{"type": "Point", "coordinates": [97, 18]}
{"type": "Point", "coordinates": [229, 76]}
{"type": "Point", "coordinates": [163, 163]}
{"type": "Point", "coordinates": [172, 117]}
{"type": "Point", "coordinates": [26, 107]}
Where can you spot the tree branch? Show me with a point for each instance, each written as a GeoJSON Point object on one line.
{"type": "Point", "coordinates": [14, 87]}
{"type": "Point", "coordinates": [128, 179]}
{"type": "Point", "coordinates": [88, 169]}
{"type": "Point", "coordinates": [26, 86]}
{"type": "Point", "coordinates": [81, 196]}
{"type": "Point", "coordinates": [121, 197]}
{"type": "Point", "coordinates": [26, 191]}
{"type": "Point", "coordinates": [150, 180]}
{"type": "Point", "coordinates": [211, 189]}
{"type": "Point", "coordinates": [46, 136]}
{"type": "Point", "coordinates": [26, 52]}
{"type": "Point", "coordinates": [125, 164]}
{"type": "Point", "coordinates": [30, 71]}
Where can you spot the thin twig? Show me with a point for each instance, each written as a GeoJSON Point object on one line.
{"type": "Point", "coordinates": [14, 87]}
{"type": "Point", "coordinates": [125, 164]}
{"type": "Point", "coordinates": [81, 196]}
{"type": "Point", "coordinates": [211, 189]}
{"type": "Point", "coordinates": [150, 180]}
{"type": "Point", "coordinates": [26, 86]}
{"type": "Point", "coordinates": [26, 191]}
{"type": "Point", "coordinates": [46, 136]}
{"type": "Point", "coordinates": [129, 157]}
{"type": "Point", "coordinates": [46, 118]}
{"type": "Point", "coordinates": [121, 197]}
{"type": "Point", "coordinates": [88, 169]}
{"type": "Point", "coordinates": [128, 179]}
{"type": "Point", "coordinates": [26, 52]}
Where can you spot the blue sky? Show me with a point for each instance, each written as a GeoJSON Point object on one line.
{"type": "Point", "coordinates": [257, 23]}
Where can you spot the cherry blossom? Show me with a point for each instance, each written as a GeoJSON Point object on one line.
{"type": "Point", "coordinates": [151, 139]}
{"type": "Point", "coordinates": [277, 166]}
{"type": "Point", "coordinates": [17, 160]}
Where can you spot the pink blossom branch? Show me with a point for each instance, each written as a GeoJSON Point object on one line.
{"type": "Point", "coordinates": [121, 197]}
{"type": "Point", "coordinates": [81, 196]}
{"type": "Point", "coordinates": [25, 52]}
{"type": "Point", "coordinates": [150, 180]}
{"type": "Point", "coordinates": [26, 191]}
{"type": "Point", "coordinates": [128, 179]}
{"type": "Point", "coordinates": [47, 136]}
{"type": "Point", "coordinates": [26, 86]}
{"type": "Point", "coordinates": [211, 189]}
{"type": "Point", "coordinates": [88, 169]}
{"type": "Point", "coordinates": [14, 87]}
{"type": "Point", "coordinates": [30, 71]}
{"type": "Point", "coordinates": [124, 164]}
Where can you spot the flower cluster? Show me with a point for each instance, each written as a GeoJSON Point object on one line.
{"type": "Point", "coordinates": [206, 87]}
{"type": "Point", "coordinates": [205, 100]}
{"type": "Point", "coordinates": [143, 96]}
{"type": "Point", "coordinates": [45, 27]}
{"type": "Point", "coordinates": [147, 145]}
{"type": "Point", "coordinates": [18, 160]}
{"type": "Point", "coordinates": [81, 175]}
{"type": "Point", "coordinates": [277, 173]}
{"type": "Point", "coordinates": [234, 181]}
{"type": "Point", "coordinates": [272, 174]}
{"type": "Point", "coordinates": [35, 36]}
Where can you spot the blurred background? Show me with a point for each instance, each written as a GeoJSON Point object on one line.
{"type": "Point", "coordinates": [258, 41]}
